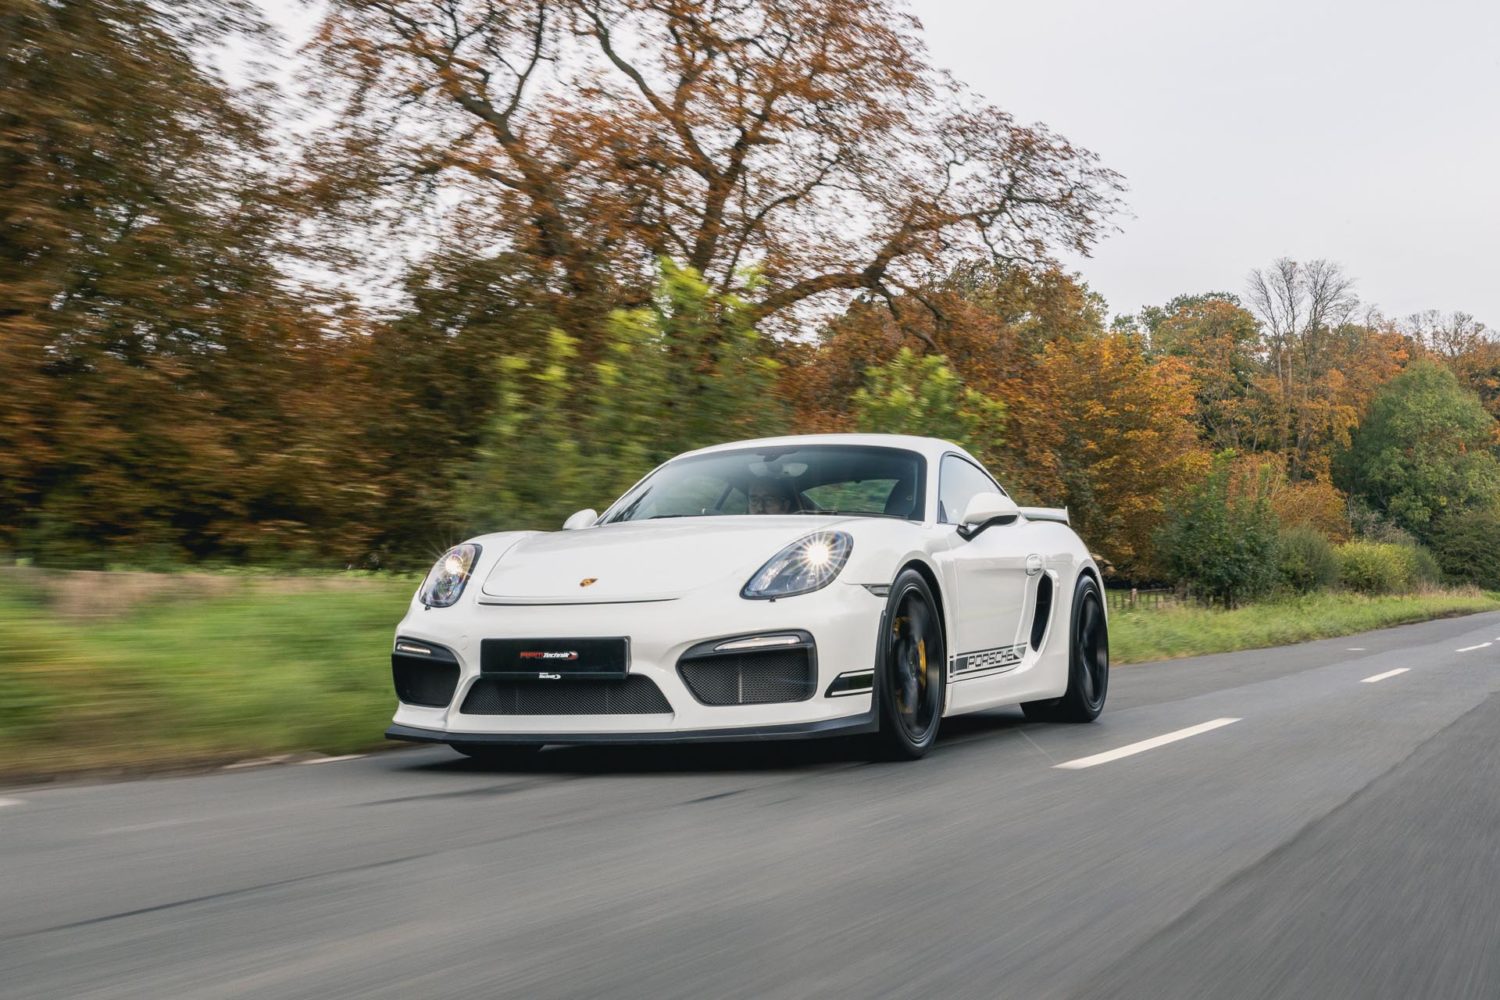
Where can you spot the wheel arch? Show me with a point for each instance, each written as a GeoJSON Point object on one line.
{"type": "Point", "coordinates": [930, 575]}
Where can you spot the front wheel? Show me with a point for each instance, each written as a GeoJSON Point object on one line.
{"type": "Point", "coordinates": [1088, 662]}
{"type": "Point", "coordinates": [912, 673]}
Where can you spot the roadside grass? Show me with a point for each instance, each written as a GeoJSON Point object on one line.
{"type": "Point", "coordinates": [188, 673]}
{"type": "Point", "coordinates": [1187, 630]}
{"type": "Point", "coordinates": [191, 680]}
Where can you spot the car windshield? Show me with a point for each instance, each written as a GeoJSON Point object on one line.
{"type": "Point", "coordinates": [810, 479]}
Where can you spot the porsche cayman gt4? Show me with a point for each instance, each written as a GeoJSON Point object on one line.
{"type": "Point", "coordinates": [781, 588]}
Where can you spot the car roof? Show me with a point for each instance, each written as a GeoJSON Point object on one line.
{"type": "Point", "coordinates": [929, 447]}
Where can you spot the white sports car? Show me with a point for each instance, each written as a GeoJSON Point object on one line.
{"type": "Point", "coordinates": [782, 588]}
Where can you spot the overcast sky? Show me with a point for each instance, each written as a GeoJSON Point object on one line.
{"type": "Point", "coordinates": [1359, 130]}
{"type": "Point", "coordinates": [1364, 131]}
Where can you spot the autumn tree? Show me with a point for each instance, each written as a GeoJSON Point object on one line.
{"type": "Point", "coordinates": [1123, 442]}
{"type": "Point", "coordinates": [149, 351]}
{"type": "Point", "coordinates": [1322, 363]}
{"type": "Point", "coordinates": [809, 142]}
{"type": "Point", "coordinates": [1219, 342]}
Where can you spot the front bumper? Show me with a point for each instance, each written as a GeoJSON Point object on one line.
{"type": "Point", "coordinates": [843, 620]}
{"type": "Point", "coordinates": [852, 725]}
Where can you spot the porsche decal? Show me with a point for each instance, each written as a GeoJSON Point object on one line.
{"type": "Point", "coordinates": [987, 661]}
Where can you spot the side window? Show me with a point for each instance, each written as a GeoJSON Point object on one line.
{"type": "Point", "coordinates": [958, 484]}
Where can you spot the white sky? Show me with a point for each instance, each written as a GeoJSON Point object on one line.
{"type": "Point", "coordinates": [1364, 131]}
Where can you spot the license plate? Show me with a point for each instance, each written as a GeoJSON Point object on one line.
{"type": "Point", "coordinates": [555, 659]}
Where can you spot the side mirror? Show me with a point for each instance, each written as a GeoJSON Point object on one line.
{"type": "Point", "coordinates": [583, 519]}
{"type": "Point", "coordinates": [985, 509]}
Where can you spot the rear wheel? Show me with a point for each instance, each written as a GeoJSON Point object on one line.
{"type": "Point", "coordinates": [912, 672]}
{"type": "Point", "coordinates": [1088, 662]}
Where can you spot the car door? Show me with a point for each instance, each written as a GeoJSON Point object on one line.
{"type": "Point", "coordinates": [990, 584]}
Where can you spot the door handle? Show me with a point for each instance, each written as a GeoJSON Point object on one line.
{"type": "Point", "coordinates": [1034, 564]}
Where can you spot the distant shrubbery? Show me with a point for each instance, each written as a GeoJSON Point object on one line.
{"type": "Point", "coordinates": [1385, 568]}
{"type": "Point", "coordinates": [1467, 547]}
{"type": "Point", "coordinates": [1305, 560]}
{"type": "Point", "coordinates": [1221, 546]}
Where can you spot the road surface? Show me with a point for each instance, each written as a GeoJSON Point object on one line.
{"type": "Point", "coordinates": [1339, 838]}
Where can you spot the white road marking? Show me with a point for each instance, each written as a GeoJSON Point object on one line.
{"type": "Point", "coordinates": [280, 758]}
{"type": "Point", "coordinates": [160, 824]}
{"type": "Point", "coordinates": [1470, 649]}
{"type": "Point", "coordinates": [1356, 649]}
{"type": "Point", "coordinates": [330, 760]}
{"type": "Point", "coordinates": [1134, 748]}
{"type": "Point", "coordinates": [9, 802]}
{"type": "Point", "coordinates": [1388, 673]}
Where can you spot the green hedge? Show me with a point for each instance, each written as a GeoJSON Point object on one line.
{"type": "Point", "coordinates": [1384, 568]}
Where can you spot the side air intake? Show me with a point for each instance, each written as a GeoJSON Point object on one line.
{"type": "Point", "coordinates": [1043, 611]}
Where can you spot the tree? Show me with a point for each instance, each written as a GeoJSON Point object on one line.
{"type": "Point", "coordinates": [809, 140]}
{"type": "Point", "coordinates": [685, 371]}
{"type": "Point", "coordinates": [1469, 348]}
{"type": "Point", "coordinates": [1122, 441]}
{"type": "Point", "coordinates": [1322, 366]}
{"type": "Point", "coordinates": [1425, 450]}
{"type": "Point", "coordinates": [151, 356]}
{"type": "Point", "coordinates": [1219, 341]}
{"type": "Point", "coordinates": [922, 395]}
{"type": "Point", "coordinates": [1222, 547]}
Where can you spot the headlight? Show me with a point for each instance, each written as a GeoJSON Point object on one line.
{"type": "Point", "coordinates": [445, 582]}
{"type": "Point", "coordinates": [806, 565]}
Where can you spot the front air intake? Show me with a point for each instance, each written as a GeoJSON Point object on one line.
{"type": "Point", "coordinates": [425, 673]}
{"type": "Point", "coordinates": [751, 671]}
{"type": "Point", "coordinates": [635, 695]}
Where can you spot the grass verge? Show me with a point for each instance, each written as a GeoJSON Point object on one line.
{"type": "Point", "coordinates": [193, 673]}
{"type": "Point", "coordinates": [186, 679]}
{"type": "Point", "coordinates": [1168, 633]}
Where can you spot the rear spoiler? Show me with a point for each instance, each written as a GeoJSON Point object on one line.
{"type": "Point", "coordinates": [1058, 514]}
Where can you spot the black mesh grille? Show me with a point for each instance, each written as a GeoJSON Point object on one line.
{"type": "Point", "coordinates": [425, 680]}
{"type": "Point", "coordinates": [754, 677]}
{"type": "Point", "coordinates": [635, 695]}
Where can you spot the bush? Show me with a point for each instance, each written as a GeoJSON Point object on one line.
{"type": "Point", "coordinates": [1384, 568]}
{"type": "Point", "coordinates": [1223, 547]}
{"type": "Point", "coordinates": [1305, 560]}
{"type": "Point", "coordinates": [1467, 547]}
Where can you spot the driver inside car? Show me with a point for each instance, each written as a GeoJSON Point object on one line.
{"type": "Point", "coordinates": [771, 496]}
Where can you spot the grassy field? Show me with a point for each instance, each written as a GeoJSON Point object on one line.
{"type": "Point", "coordinates": [118, 672]}
{"type": "Point", "coordinates": [1139, 636]}
{"type": "Point", "coordinates": [195, 675]}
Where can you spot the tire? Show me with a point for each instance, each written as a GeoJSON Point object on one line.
{"type": "Point", "coordinates": [911, 671]}
{"type": "Point", "coordinates": [497, 756]}
{"type": "Point", "coordinates": [1088, 662]}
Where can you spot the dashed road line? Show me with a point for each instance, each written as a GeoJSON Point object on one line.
{"type": "Point", "coordinates": [1134, 748]}
{"type": "Point", "coordinates": [330, 760]}
{"type": "Point", "coordinates": [1470, 649]}
{"type": "Point", "coordinates": [1389, 673]}
{"type": "Point", "coordinates": [9, 802]}
{"type": "Point", "coordinates": [1356, 649]}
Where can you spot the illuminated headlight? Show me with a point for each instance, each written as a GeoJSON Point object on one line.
{"type": "Point", "coordinates": [445, 582]}
{"type": "Point", "coordinates": [806, 565]}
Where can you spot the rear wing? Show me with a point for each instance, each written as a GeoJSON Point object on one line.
{"type": "Point", "coordinates": [1058, 514]}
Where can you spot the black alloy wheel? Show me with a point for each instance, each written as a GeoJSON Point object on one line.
{"type": "Point", "coordinates": [1088, 662]}
{"type": "Point", "coordinates": [913, 671]}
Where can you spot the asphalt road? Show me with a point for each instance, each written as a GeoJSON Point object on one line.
{"type": "Point", "coordinates": [1341, 839]}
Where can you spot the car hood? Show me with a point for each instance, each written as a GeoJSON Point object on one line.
{"type": "Point", "coordinates": [642, 560]}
